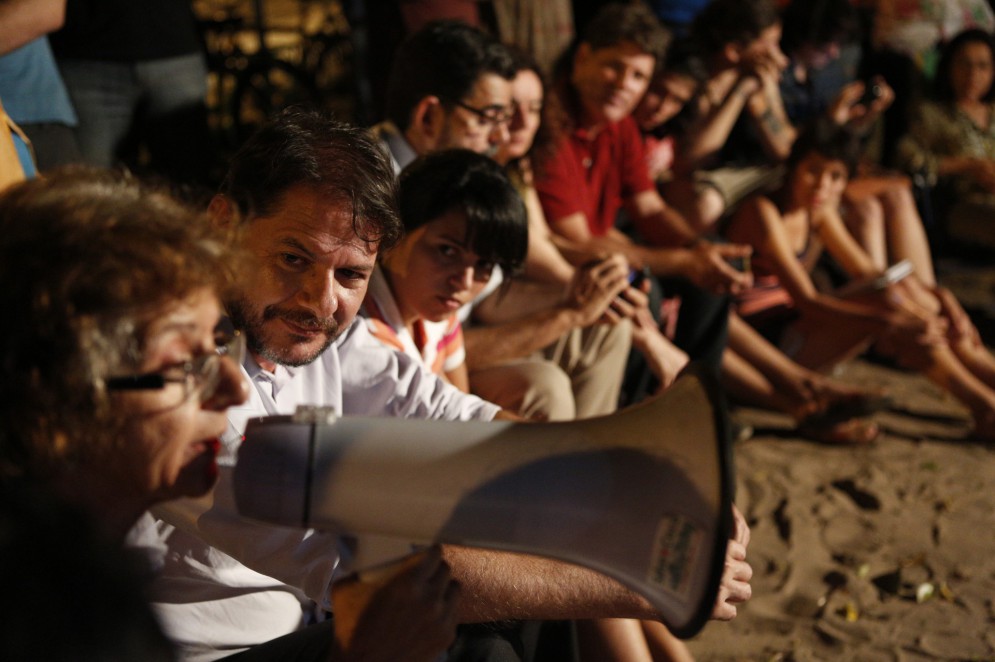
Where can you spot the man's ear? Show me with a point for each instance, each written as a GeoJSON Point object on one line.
{"type": "Point", "coordinates": [427, 121]}
{"type": "Point", "coordinates": [221, 211]}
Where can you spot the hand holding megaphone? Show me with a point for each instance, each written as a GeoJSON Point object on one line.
{"type": "Point", "coordinates": [641, 496]}
{"type": "Point", "coordinates": [416, 596]}
{"type": "Point", "coordinates": [735, 586]}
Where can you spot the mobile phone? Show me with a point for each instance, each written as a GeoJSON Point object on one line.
{"type": "Point", "coordinates": [638, 276]}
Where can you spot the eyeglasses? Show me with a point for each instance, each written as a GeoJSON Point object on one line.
{"type": "Point", "coordinates": [494, 116]}
{"type": "Point", "coordinates": [200, 375]}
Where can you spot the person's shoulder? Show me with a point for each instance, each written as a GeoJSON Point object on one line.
{"type": "Point", "coordinates": [757, 213]}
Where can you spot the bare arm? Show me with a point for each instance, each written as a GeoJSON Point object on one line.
{"type": "Point", "coordinates": [848, 109]}
{"type": "Point", "coordinates": [22, 21]}
{"type": "Point", "coordinates": [776, 247]}
{"type": "Point", "coordinates": [458, 377]}
{"type": "Point", "coordinates": [981, 170]}
{"type": "Point", "coordinates": [707, 135]}
{"type": "Point", "coordinates": [658, 223]}
{"type": "Point", "coordinates": [766, 108]}
{"type": "Point", "coordinates": [704, 264]}
{"type": "Point", "coordinates": [544, 261]}
{"type": "Point", "coordinates": [842, 246]}
{"type": "Point", "coordinates": [501, 585]}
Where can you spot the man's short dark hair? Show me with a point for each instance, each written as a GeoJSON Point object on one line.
{"type": "Point", "coordinates": [444, 59]}
{"type": "Point", "coordinates": [619, 23]}
{"type": "Point", "coordinates": [301, 147]}
{"type": "Point", "coordinates": [458, 179]}
{"type": "Point", "coordinates": [724, 22]}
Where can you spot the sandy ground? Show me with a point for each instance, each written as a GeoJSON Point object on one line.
{"type": "Point", "coordinates": [878, 553]}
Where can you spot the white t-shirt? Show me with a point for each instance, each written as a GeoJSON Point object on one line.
{"type": "Point", "coordinates": [211, 604]}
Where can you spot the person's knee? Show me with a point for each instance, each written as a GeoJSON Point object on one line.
{"type": "Point", "coordinates": [534, 389]}
{"type": "Point", "coordinates": [611, 343]}
{"type": "Point", "coordinates": [865, 217]}
{"type": "Point", "coordinates": [548, 393]}
{"type": "Point", "coordinates": [708, 209]}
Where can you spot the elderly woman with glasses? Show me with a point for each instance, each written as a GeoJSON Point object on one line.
{"type": "Point", "coordinates": [115, 382]}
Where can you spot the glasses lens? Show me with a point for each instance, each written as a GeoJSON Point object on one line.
{"type": "Point", "coordinates": [230, 347]}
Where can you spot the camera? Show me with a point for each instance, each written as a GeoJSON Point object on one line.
{"type": "Point", "coordinates": [872, 91]}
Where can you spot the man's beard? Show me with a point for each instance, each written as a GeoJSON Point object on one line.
{"type": "Point", "coordinates": [250, 322]}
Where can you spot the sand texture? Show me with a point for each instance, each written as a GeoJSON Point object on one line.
{"type": "Point", "coordinates": [884, 552]}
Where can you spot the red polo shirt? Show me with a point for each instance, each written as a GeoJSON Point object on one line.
{"type": "Point", "coordinates": [594, 174]}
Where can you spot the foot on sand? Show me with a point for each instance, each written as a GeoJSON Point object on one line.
{"type": "Point", "coordinates": [831, 403]}
{"type": "Point", "coordinates": [850, 432]}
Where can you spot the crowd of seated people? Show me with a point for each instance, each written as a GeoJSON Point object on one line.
{"type": "Point", "coordinates": [509, 243]}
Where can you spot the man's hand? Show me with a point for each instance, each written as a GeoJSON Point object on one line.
{"type": "Point", "coordinates": [708, 267]}
{"type": "Point", "coordinates": [595, 286]}
{"type": "Point", "coordinates": [409, 615]}
{"type": "Point", "coordinates": [735, 587]}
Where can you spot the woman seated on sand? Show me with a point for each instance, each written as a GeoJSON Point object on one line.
{"type": "Point", "coordinates": [753, 371]}
{"type": "Point", "coordinates": [920, 327]}
{"type": "Point", "coordinates": [118, 373]}
{"type": "Point", "coordinates": [952, 137]}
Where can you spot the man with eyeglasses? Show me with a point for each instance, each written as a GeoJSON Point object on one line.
{"type": "Point", "coordinates": [450, 87]}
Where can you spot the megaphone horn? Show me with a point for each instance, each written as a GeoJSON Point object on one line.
{"type": "Point", "coordinates": [642, 495]}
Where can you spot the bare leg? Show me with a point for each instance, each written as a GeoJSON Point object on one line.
{"type": "Point", "coordinates": [906, 234]}
{"type": "Point", "coordinates": [708, 209]}
{"type": "Point", "coordinates": [977, 359]}
{"type": "Point", "coordinates": [664, 645]}
{"type": "Point", "coordinates": [865, 221]}
{"type": "Point", "coordinates": [810, 391]}
{"type": "Point", "coordinates": [963, 336]}
{"type": "Point", "coordinates": [701, 208]}
{"type": "Point", "coordinates": [748, 385]}
{"type": "Point", "coordinates": [822, 347]}
{"type": "Point", "coordinates": [884, 219]}
{"type": "Point", "coordinates": [947, 371]}
{"type": "Point", "coordinates": [619, 639]}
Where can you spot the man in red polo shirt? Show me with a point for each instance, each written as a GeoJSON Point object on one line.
{"type": "Point", "coordinates": [599, 167]}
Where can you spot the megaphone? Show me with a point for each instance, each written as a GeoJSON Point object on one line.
{"type": "Point", "coordinates": [642, 495]}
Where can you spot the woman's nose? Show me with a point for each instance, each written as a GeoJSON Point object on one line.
{"type": "Point", "coordinates": [232, 387]}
